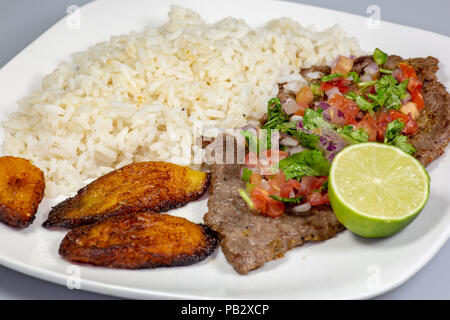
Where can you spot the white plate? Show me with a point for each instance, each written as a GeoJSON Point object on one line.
{"type": "Point", "coordinates": [345, 267]}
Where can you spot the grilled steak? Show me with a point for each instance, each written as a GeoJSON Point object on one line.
{"type": "Point", "coordinates": [250, 239]}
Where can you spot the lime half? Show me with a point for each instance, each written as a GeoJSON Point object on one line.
{"type": "Point", "coordinates": [377, 189]}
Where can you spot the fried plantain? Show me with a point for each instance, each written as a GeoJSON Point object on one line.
{"type": "Point", "coordinates": [139, 240]}
{"type": "Point", "coordinates": [21, 190]}
{"type": "Point", "coordinates": [153, 186]}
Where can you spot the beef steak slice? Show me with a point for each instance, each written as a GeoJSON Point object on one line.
{"type": "Point", "coordinates": [249, 239]}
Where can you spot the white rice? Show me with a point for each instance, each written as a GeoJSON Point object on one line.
{"type": "Point", "coordinates": [139, 96]}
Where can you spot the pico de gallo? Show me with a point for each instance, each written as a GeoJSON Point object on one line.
{"type": "Point", "coordinates": [318, 118]}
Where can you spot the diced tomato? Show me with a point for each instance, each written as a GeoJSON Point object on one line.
{"type": "Point", "coordinates": [410, 126]}
{"type": "Point", "coordinates": [340, 83]}
{"type": "Point", "coordinates": [302, 109]}
{"type": "Point", "coordinates": [276, 183]}
{"type": "Point", "coordinates": [316, 198]}
{"type": "Point", "coordinates": [290, 186]}
{"type": "Point", "coordinates": [370, 126]}
{"type": "Point", "coordinates": [344, 65]}
{"type": "Point", "coordinates": [407, 70]}
{"type": "Point", "coordinates": [251, 159]}
{"type": "Point", "coordinates": [274, 208]}
{"type": "Point", "coordinates": [308, 184]}
{"type": "Point", "coordinates": [260, 199]}
{"type": "Point", "coordinates": [417, 98]}
{"type": "Point", "coordinates": [414, 85]}
{"type": "Point", "coordinates": [347, 106]}
{"type": "Point", "coordinates": [388, 116]}
{"type": "Point", "coordinates": [255, 179]}
{"type": "Point", "coordinates": [275, 156]}
{"type": "Point", "coordinates": [265, 204]}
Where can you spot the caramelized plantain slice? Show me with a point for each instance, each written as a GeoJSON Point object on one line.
{"type": "Point", "coordinates": [153, 186]}
{"type": "Point", "coordinates": [21, 190]}
{"type": "Point", "coordinates": [139, 240]}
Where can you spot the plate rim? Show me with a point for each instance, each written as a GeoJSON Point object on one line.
{"type": "Point", "coordinates": [122, 291]}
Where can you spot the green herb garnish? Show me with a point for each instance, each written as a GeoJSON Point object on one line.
{"type": "Point", "coordinates": [379, 56]}
{"type": "Point", "coordinates": [287, 200]}
{"type": "Point", "coordinates": [315, 88]}
{"type": "Point", "coordinates": [308, 140]}
{"type": "Point", "coordinates": [353, 136]}
{"type": "Point", "coordinates": [394, 137]}
{"type": "Point", "coordinates": [246, 174]}
{"type": "Point", "coordinates": [382, 70]}
{"type": "Point", "coordinates": [275, 114]}
{"type": "Point", "coordinates": [313, 119]}
{"type": "Point", "coordinates": [389, 93]}
{"type": "Point", "coordinates": [401, 142]}
{"type": "Point", "coordinates": [332, 76]}
{"type": "Point", "coordinates": [305, 163]}
{"type": "Point", "coordinates": [393, 129]}
{"type": "Point", "coordinates": [246, 198]}
{"type": "Point", "coordinates": [355, 76]}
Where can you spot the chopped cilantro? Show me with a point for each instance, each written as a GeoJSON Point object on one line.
{"type": "Point", "coordinates": [393, 129]}
{"type": "Point", "coordinates": [354, 136]}
{"type": "Point", "coordinates": [400, 141]}
{"type": "Point", "coordinates": [365, 84]}
{"type": "Point", "coordinates": [363, 104]}
{"type": "Point", "coordinates": [308, 140]}
{"type": "Point", "coordinates": [389, 93]}
{"type": "Point", "coordinates": [313, 119]}
{"type": "Point", "coordinates": [382, 70]}
{"type": "Point", "coordinates": [275, 114]}
{"type": "Point", "coordinates": [394, 137]}
{"type": "Point", "coordinates": [287, 200]}
{"type": "Point", "coordinates": [332, 76]}
{"type": "Point", "coordinates": [379, 56]}
{"type": "Point", "coordinates": [305, 163]}
{"type": "Point", "coordinates": [246, 174]}
{"type": "Point", "coordinates": [355, 76]}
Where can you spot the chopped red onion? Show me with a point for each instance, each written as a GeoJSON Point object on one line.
{"type": "Point", "coordinates": [294, 86]}
{"type": "Point", "coordinates": [289, 141]}
{"type": "Point", "coordinates": [249, 127]}
{"type": "Point", "coordinates": [334, 116]}
{"type": "Point", "coordinates": [289, 106]}
{"type": "Point", "coordinates": [322, 105]}
{"type": "Point", "coordinates": [264, 184]}
{"type": "Point", "coordinates": [359, 116]}
{"type": "Point", "coordinates": [302, 207]}
{"type": "Point", "coordinates": [372, 69]}
{"type": "Point", "coordinates": [314, 75]}
{"type": "Point", "coordinates": [406, 99]}
{"type": "Point", "coordinates": [397, 74]}
{"type": "Point", "coordinates": [295, 118]}
{"type": "Point", "coordinates": [295, 149]}
{"type": "Point", "coordinates": [331, 92]}
{"type": "Point", "coordinates": [292, 194]}
{"type": "Point", "coordinates": [366, 77]}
